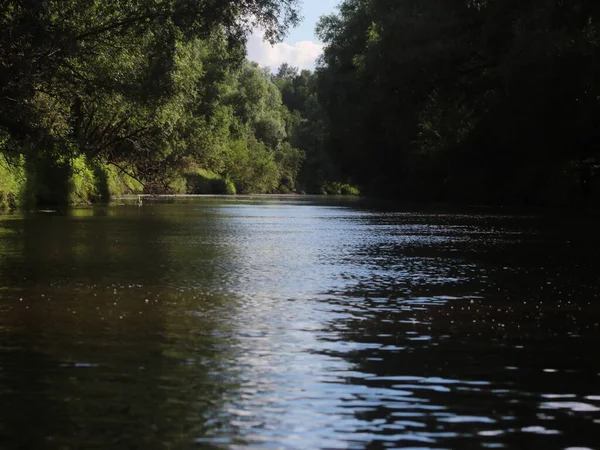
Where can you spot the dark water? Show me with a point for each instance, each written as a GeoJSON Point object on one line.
{"type": "Point", "coordinates": [306, 324]}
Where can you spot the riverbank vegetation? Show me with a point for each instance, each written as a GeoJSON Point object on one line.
{"type": "Point", "coordinates": [99, 98]}
{"type": "Point", "coordinates": [461, 101]}
{"type": "Point", "coordinates": [493, 102]}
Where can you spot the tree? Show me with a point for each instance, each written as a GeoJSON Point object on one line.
{"type": "Point", "coordinates": [306, 126]}
{"type": "Point", "coordinates": [457, 100]}
{"type": "Point", "coordinates": [118, 81]}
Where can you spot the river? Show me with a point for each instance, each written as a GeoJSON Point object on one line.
{"type": "Point", "coordinates": [300, 323]}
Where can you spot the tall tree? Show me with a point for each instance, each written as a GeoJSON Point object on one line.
{"type": "Point", "coordinates": [478, 100]}
{"type": "Point", "coordinates": [115, 79]}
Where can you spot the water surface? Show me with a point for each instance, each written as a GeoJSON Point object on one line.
{"type": "Point", "coordinates": [297, 323]}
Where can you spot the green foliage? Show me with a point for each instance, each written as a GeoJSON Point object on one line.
{"type": "Point", "coordinates": [307, 130]}
{"type": "Point", "coordinates": [202, 181]}
{"type": "Point", "coordinates": [85, 188]}
{"type": "Point", "coordinates": [289, 161]}
{"type": "Point", "coordinates": [120, 183]}
{"type": "Point", "coordinates": [229, 186]}
{"type": "Point", "coordinates": [491, 102]}
{"type": "Point", "coordinates": [252, 168]}
{"type": "Point", "coordinates": [337, 188]}
{"type": "Point", "coordinates": [144, 86]}
{"type": "Point", "coordinates": [12, 183]}
{"type": "Point", "coordinates": [177, 186]}
{"type": "Point", "coordinates": [80, 181]}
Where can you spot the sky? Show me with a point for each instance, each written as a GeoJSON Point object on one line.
{"type": "Point", "coordinates": [301, 48]}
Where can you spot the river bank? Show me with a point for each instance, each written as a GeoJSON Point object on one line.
{"type": "Point", "coordinates": [46, 183]}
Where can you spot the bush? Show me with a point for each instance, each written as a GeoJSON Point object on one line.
{"type": "Point", "coordinates": [347, 189]}
{"type": "Point", "coordinates": [201, 181]}
{"type": "Point", "coordinates": [289, 162]}
{"type": "Point", "coordinates": [229, 187]}
{"type": "Point", "coordinates": [120, 184]}
{"type": "Point", "coordinates": [84, 187]}
{"type": "Point", "coordinates": [12, 183]}
{"type": "Point", "coordinates": [337, 188]}
{"type": "Point", "coordinates": [178, 186]}
{"type": "Point", "coordinates": [252, 168]}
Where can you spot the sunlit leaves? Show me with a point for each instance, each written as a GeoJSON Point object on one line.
{"type": "Point", "coordinates": [144, 84]}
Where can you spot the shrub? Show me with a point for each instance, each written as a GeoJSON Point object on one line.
{"type": "Point", "coordinates": [119, 183]}
{"type": "Point", "coordinates": [252, 167]}
{"type": "Point", "coordinates": [12, 183]}
{"type": "Point", "coordinates": [338, 188]}
{"type": "Point", "coordinates": [83, 184]}
{"type": "Point", "coordinates": [202, 181]}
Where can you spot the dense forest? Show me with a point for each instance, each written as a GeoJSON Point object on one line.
{"type": "Point", "coordinates": [112, 97]}
{"type": "Point", "coordinates": [483, 101]}
{"type": "Point", "coordinates": [494, 102]}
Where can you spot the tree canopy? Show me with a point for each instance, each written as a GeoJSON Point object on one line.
{"type": "Point", "coordinates": [493, 101]}
{"type": "Point", "coordinates": [151, 87]}
{"type": "Point", "coordinates": [473, 101]}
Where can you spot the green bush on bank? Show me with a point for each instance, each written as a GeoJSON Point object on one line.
{"type": "Point", "coordinates": [229, 186]}
{"type": "Point", "coordinates": [89, 182]}
{"type": "Point", "coordinates": [252, 168]}
{"type": "Point", "coordinates": [12, 183]}
{"type": "Point", "coordinates": [202, 181]}
{"type": "Point", "coordinates": [93, 182]}
{"type": "Point", "coordinates": [84, 184]}
{"type": "Point", "coordinates": [119, 183]}
{"type": "Point", "coordinates": [46, 182]}
{"type": "Point", "coordinates": [338, 188]}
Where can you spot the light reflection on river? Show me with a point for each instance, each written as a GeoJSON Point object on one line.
{"type": "Point", "coordinates": [297, 323]}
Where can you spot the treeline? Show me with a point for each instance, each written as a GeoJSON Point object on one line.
{"type": "Point", "coordinates": [113, 97]}
{"type": "Point", "coordinates": [465, 100]}
{"type": "Point", "coordinates": [483, 101]}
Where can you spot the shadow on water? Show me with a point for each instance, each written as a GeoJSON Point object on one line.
{"type": "Point", "coordinates": [471, 331]}
{"type": "Point", "coordinates": [101, 344]}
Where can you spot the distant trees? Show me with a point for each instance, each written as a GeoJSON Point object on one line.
{"type": "Point", "coordinates": [261, 158]}
{"type": "Point", "coordinates": [307, 128]}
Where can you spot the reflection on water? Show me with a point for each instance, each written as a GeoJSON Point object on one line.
{"type": "Point", "coordinates": [297, 324]}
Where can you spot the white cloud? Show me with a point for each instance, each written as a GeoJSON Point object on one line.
{"type": "Point", "coordinates": [302, 54]}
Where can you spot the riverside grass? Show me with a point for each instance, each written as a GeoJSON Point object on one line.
{"type": "Point", "coordinates": [87, 182]}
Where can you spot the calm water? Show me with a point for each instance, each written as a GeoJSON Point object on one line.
{"type": "Point", "coordinates": [308, 324]}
